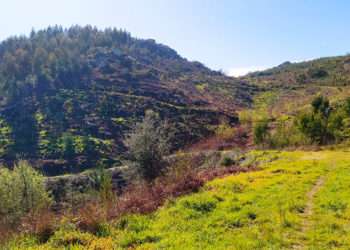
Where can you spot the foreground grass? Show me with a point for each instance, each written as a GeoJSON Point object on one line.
{"type": "Point", "coordinates": [256, 210]}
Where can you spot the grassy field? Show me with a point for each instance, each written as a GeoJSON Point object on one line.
{"type": "Point", "coordinates": [298, 200]}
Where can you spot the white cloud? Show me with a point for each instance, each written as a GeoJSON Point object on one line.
{"type": "Point", "coordinates": [241, 71]}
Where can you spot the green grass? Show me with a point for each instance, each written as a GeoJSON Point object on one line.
{"type": "Point", "coordinates": [330, 222]}
{"type": "Point", "coordinates": [256, 210]}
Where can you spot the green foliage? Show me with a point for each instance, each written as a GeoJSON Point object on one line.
{"type": "Point", "coordinates": [227, 161]}
{"type": "Point", "coordinates": [6, 141]}
{"type": "Point", "coordinates": [317, 73]}
{"type": "Point", "coordinates": [314, 127]}
{"type": "Point", "coordinates": [321, 105]}
{"type": "Point", "coordinates": [324, 124]}
{"type": "Point", "coordinates": [102, 182]}
{"type": "Point", "coordinates": [22, 190]}
{"type": "Point", "coordinates": [66, 146]}
{"type": "Point", "coordinates": [261, 132]}
{"type": "Point", "coordinates": [347, 106]}
{"type": "Point", "coordinates": [286, 134]}
{"type": "Point", "coordinates": [225, 131]}
{"type": "Point", "coordinates": [147, 144]}
{"type": "Point", "coordinates": [201, 87]}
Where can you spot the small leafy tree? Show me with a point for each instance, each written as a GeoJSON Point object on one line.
{"type": "Point", "coordinates": [315, 124]}
{"type": "Point", "coordinates": [321, 105]}
{"type": "Point", "coordinates": [67, 146]}
{"type": "Point", "coordinates": [102, 182]}
{"type": "Point", "coordinates": [147, 144]}
{"type": "Point", "coordinates": [22, 190]}
{"type": "Point", "coordinates": [261, 132]}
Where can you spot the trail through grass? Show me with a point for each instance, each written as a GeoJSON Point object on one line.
{"type": "Point", "coordinates": [298, 200]}
{"type": "Point", "coordinates": [310, 202]}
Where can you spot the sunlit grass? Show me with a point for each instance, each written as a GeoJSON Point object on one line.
{"type": "Point", "coordinates": [256, 210]}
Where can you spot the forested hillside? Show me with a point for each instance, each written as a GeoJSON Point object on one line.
{"type": "Point", "coordinates": [69, 95]}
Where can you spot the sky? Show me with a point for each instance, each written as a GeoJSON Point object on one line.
{"type": "Point", "coordinates": [236, 36]}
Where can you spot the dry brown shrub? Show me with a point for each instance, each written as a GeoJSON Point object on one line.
{"type": "Point", "coordinates": [42, 224]}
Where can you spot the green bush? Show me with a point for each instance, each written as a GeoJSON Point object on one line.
{"type": "Point", "coordinates": [147, 144]}
{"type": "Point", "coordinates": [286, 134]}
{"type": "Point", "coordinates": [315, 124]}
{"type": "Point", "coordinates": [261, 132]}
{"type": "Point", "coordinates": [227, 161]}
{"type": "Point", "coordinates": [102, 182]}
{"type": "Point", "coordinates": [22, 190]}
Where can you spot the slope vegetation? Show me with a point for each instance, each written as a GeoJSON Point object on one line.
{"type": "Point", "coordinates": [298, 200]}
{"type": "Point", "coordinates": [69, 95]}
{"type": "Point", "coordinates": [290, 87]}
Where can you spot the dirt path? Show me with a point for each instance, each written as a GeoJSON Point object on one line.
{"type": "Point", "coordinates": [308, 212]}
{"type": "Point", "coordinates": [310, 203]}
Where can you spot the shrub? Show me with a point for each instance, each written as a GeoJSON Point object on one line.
{"type": "Point", "coordinates": [147, 143]}
{"type": "Point", "coordinates": [315, 125]}
{"type": "Point", "coordinates": [286, 134]}
{"type": "Point", "coordinates": [320, 104]}
{"type": "Point", "coordinates": [317, 73]}
{"type": "Point", "coordinates": [22, 190]}
{"type": "Point", "coordinates": [347, 106]}
{"type": "Point", "coordinates": [92, 217]}
{"type": "Point", "coordinates": [261, 132]}
{"type": "Point", "coordinates": [42, 224]}
{"type": "Point", "coordinates": [227, 161]}
{"type": "Point", "coordinates": [65, 239]}
{"type": "Point", "coordinates": [225, 131]}
{"type": "Point", "coordinates": [66, 146]}
{"type": "Point", "coordinates": [102, 182]}
{"type": "Point", "coordinates": [200, 204]}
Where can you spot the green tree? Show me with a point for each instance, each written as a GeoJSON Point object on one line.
{"type": "Point", "coordinates": [22, 190]}
{"type": "Point", "coordinates": [147, 144]}
{"type": "Point", "coordinates": [315, 124]}
{"type": "Point", "coordinates": [6, 141]}
{"type": "Point", "coordinates": [102, 182]}
{"type": "Point", "coordinates": [321, 105]}
{"type": "Point", "coordinates": [67, 146]}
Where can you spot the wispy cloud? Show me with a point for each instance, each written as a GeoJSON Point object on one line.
{"type": "Point", "coordinates": [241, 71]}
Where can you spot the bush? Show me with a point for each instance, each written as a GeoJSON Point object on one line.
{"type": "Point", "coordinates": [261, 132]}
{"type": "Point", "coordinates": [21, 191]}
{"type": "Point", "coordinates": [227, 161]}
{"type": "Point", "coordinates": [147, 144]}
{"type": "Point", "coordinates": [286, 134]}
{"type": "Point", "coordinates": [315, 125]}
{"type": "Point", "coordinates": [102, 182]}
{"type": "Point", "coordinates": [225, 131]}
{"type": "Point", "coordinates": [317, 73]}
{"type": "Point", "coordinates": [321, 105]}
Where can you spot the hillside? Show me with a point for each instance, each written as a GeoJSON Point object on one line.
{"type": "Point", "coordinates": [290, 87]}
{"type": "Point", "coordinates": [330, 71]}
{"type": "Point", "coordinates": [69, 95]}
{"type": "Point", "coordinates": [113, 142]}
{"type": "Point", "coordinates": [297, 200]}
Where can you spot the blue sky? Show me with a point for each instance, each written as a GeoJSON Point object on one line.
{"type": "Point", "coordinates": [232, 35]}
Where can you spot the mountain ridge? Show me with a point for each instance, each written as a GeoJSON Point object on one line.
{"type": "Point", "coordinates": [71, 94]}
